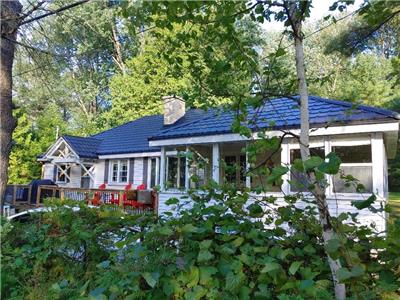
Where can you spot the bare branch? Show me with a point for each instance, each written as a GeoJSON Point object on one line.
{"type": "Point", "coordinates": [54, 12]}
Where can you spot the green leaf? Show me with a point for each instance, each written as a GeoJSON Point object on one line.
{"type": "Point", "coordinates": [204, 245]}
{"type": "Point", "coordinates": [309, 249]}
{"type": "Point", "coordinates": [237, 242]}
{"type": "Point", "coordinates": [206, 274]}
{"type": "Point", "coordinates": [150, 279]}
{"type": "Point", "coordinates": [189, 228]}
{"type": "Point", "coordinates": [172, 201]}
{"type": "Point", "coordinates": [197, 293]}
{"type": "Point", "coordinates": [193, 277]}
{"type": "Point", "coordinates": [234, 281]}
{"type": "Point", "coordinates": [165, 230]}
{"type": "Point", "coordinates": [280, 52]}
{"type": "Point", "coordinates": [332, 245]}
{"type": "Point", "coordinates": [270, 267]}
{"type": "Point", "coordinates": [276, 174]}
{"type": "Point", "coordinates": [255, 210]}
{"type": "Point", "coordinates": [332, 165]}
{"type": "Point", "coordinates": [294, 267]}
{"type": "Point", "coordinates": [343, 274]}
{"type": "Point", "coordinates": [313, 162]}
{"type": "Point", "coordinates": [204, 255]}
{"type": "Point", "coordinates": [364, 204]}
{"type": "Point", "coordinates": [305, 284]}
{"type": "Point", "coordinates": [104, 264]}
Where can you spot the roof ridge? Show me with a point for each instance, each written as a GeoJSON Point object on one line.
{"type": "Point", "coordinates": [126, 123]}
{"type": "Point", "coordinates": [184, 124]}
{"type": "Point", "coordinates": [81, 137]}
{"type": "Point", "coordinates": [381, 111]}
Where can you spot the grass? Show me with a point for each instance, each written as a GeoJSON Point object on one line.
{"type": "Point", "coordinates": [394, 202]}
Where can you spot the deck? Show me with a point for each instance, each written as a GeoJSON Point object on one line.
{"type": "Point", "coordinates": [23, 197]}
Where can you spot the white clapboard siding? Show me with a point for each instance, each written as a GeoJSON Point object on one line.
{"type": "Point", "coordinates": [336, 207]}
{"type": "Point", "coordinates": [138, 172]}
{"type": "Point", "coordinates": [99, 173]}
{"type": "Point", "coordinates": [48, 171]}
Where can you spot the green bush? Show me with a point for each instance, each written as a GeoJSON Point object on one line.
{"type": "Point", "coordinates": [215, 249]}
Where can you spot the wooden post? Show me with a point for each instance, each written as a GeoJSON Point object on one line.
{"type": "Point", "coordinates": [215, 162]}
{"type": "Point", "coordinates": [39, 191]}
{"type": "Point", "coordinates": [14, 194]}
{"type": "Point", "coordinates": [162, 168]}
{"type": "Point", "coordinates": [29, 193]}
{"type": "Point", "coordinates": [120, 199]}
{"type": "Point", "coordinates": [62, 194]}
{"type": "Point", "coordinates": [155, 202]}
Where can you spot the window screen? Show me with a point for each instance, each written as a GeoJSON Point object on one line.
{"type": "Point", "coordinates": [354, 154]}
{"type": "Point", "coordinates": [362, 173]}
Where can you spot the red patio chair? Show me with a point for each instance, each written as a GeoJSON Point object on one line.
{"type": "Point", "coordinates": [115, 200]}
{"type": "Point", "coordinates": [97, 196]}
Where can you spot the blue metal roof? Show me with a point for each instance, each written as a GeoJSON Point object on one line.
{"type": "Point", "coordinates": [83, 146]}
{"type": "Point", "coordinates": [133, 137]}
{"type": "Point", "coordinates": [280, 113]}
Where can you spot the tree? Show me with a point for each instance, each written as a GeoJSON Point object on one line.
{"type": "Point", "coordinates": [203, 81]}
{"type": "Point", "coordinates": [293, 13]}
{"type": "Point", "coordinates": [10, 11]}
{"type": "Point", "coordinates": [12, 20]}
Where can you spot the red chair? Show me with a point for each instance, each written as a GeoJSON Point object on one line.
{"type": "Point", "coordinates": [141, 187]}
{"type": "Point", "coordinates": [134, 203]}
{"type": "Point", "coordinates": [115, 200]}
{"type": "Point", "coordinates": [97, 196]}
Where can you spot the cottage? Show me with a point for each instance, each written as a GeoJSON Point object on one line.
{"type": "Point", "coordinates": [147, 150]}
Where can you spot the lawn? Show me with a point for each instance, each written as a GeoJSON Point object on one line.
{"type": "Point", "coordinates": [394, 202]}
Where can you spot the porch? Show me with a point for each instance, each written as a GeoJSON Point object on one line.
{"type": "Point", "coordinates": [23, 197]}
{"type": "Point", "coordinates": [194, 164]}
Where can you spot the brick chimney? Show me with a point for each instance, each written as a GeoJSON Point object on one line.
{"type": "Point", "coordinates": [174, 109]}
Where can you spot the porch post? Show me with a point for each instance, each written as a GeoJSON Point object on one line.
{"type": "Point", "coordinates": [377, 150]}
{"type": "Point", "coordinates": [215, 162]}
{"type": "Point", "coordinates": [285, 161]}
{"type": "Point", "coordinates": [248, 179]}
{"type": "Point", "coordinates": [187, 175]}
{"type": "Point", "coordinates": [162, 168]}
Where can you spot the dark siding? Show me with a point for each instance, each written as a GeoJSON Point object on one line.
{"type": "Point", "coordinates": [145, 167]}
{"type": "Point", "coordinates": [106, 168]}
{"type": "Point", "coordinates": [131, 170]}
{"type": "Point", "coordinates": [54, 173]}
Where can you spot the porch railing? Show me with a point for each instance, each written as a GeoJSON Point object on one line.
{"type": "Point", "coordinates": [18, 194]}
{"type": "Point", "coordinates": [21, 195]}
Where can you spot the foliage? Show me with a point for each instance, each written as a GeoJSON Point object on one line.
{"type": "Point", "coordinates": [168, 64]}
{"type": "Point", "coordinates": [221, 245]}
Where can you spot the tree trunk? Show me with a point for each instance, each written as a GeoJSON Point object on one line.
{"type": "Point", "coordinates": [319, 192]}
{"type": "Point", "coordinates": [10, 11]}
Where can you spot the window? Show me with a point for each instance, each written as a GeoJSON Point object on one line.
{"type": "Point", "coordinates": [298, 181]}
{"type": "Point", "coordinates": [85, 178]}
{"type": "Point", "coordinates": [262, 168]}
{"type": "Point", "coordinates": [199, 167]}
{"type": "Point", "coordinates": [357, 162]}
{"type": "Point", "coordinates": [235, 169]}
{"type": "Point", "coordinates": [153, 172]}
{"type": "Point", "coordinates": [119, 171]}
{"type": "Point", "coordinates": [63, 173]}
{"type": "Point", "coordinates": [176, 172]}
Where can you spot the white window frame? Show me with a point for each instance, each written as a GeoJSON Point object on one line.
{"type": "Point", "coordinates": [313, 144]}
{"type": "Point", "coordinates": [328, 143]}
{"type": "Point", "coordinates": [351, 143]}
{"type": "Point", "coordinates": [178, 173]}
{"type": "Point", "coordinates": [156, 179]}
{"type": "Point", "coordinates": [119, 164]}
{"type": "Point", "coordinates": [67, 177]}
